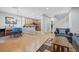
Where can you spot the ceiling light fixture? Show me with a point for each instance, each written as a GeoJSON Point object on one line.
{"type": "Point", "coordinates": [47, 8]}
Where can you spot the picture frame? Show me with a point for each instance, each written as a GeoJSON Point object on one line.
{"type": "Point", "coordinates": [10, 20]}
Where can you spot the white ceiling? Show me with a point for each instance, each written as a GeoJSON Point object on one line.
{"type": "Point", "coordinates": [35, 12]}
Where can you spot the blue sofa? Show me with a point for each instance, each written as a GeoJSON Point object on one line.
{"type": "Point", "coordinates": [75, 42]}
{"type": "Point", "coordinates": [64, 32]}
{"type": "Point", "coordinates": [61, 31]}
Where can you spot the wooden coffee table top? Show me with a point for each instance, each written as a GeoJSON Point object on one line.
{"type": "Point", "coordinates": [63, 42]}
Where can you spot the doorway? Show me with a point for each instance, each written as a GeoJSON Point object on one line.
{"type": "Point", "coordinates": [51, 26]}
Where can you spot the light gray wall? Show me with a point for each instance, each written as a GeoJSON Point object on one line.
{"type": "Point", "coordinates": [63, 23]}
{"type": "Point", "coordinates": [75, 20]}
{"type": "Point", "coordinates": [2, 22]}
{"type": "Point", "coordinates": [45, 24]}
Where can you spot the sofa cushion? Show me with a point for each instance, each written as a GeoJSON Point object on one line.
{"type": "Point", "coordinates": [76, 42]}
{"type": "Point", "coordinates": [76, 34]}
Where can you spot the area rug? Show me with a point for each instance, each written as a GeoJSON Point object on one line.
{"type": "Point", "coordinates": [46, 47]}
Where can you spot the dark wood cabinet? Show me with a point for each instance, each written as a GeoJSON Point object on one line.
{"type": "Point", "coordinates": [37, 28]}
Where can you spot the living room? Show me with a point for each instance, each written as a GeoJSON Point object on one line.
{"type": "Point", "coordinates": [38, 29]}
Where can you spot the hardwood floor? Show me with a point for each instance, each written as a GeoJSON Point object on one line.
{"type": "Point", "coordinates": [30, 42]}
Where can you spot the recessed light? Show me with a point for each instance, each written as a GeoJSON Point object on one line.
{"type": "Point", "coordinates": [15, 7]}
{"type": "Point", "coordinates": [47, 8]}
